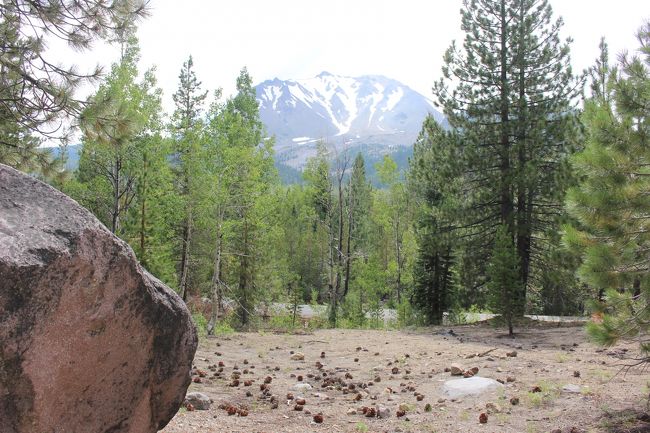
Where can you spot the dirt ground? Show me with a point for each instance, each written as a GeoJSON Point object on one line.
{"type": "Point", "coordinates": [549, 358]}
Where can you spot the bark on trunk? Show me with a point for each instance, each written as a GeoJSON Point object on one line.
{"type": "Point", "coordinates": [216, 285]}
{"type": "Point", "coordinates": [185, 255]}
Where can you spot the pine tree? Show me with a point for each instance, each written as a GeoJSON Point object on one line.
{"type": "Point", "coordinates": [36, 93]}
{"type": "Point", "coordinates": [511, 105]}
{"type": "Point", "coordinates": [434, 188]}
{"type": "Point", "coordinates": [111, 125]}
{"type": "Point", "coordinates": [124, 176]}
{"type": "Point", "coordinates": [320, 188]}
{"type": "Point", "coordinates": [503, 283]}
{"type": "Point", "coordinates": [186, 129]}
{"type": "Point", "coordinates": [19, 148]}
{"type": "Point", "coordinates": [248, 155]}
{"type": "Point", "coordinates": [358, 210]}
{"type": "Point", "coordinates": [611, 204]}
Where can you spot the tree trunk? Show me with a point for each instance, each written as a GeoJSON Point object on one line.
{"type": "Point", "coordinates": [115, 212]}
{"type": "Point", "coordinates": [331, 283]}
{"type": "Point", "coordinates": [244, 280]}
{"type": "Point", "coordinates": [185, 255]}
{"type": "Point", "coordinates": [143, 211]}
{"type": "Point", "coordinates": [216, 283]}
{"type": "Point", "coordinates": [506, 195]}
{"type": "Point", "coordinates": [348, 256]}
{"type": "Point", "coordinates": [524, 197]}
{"type": "Point", "coordinates": [398, 256]}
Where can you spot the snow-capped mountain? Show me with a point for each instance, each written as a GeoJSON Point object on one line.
{"type": "Point", "coordinates": [372, 112]}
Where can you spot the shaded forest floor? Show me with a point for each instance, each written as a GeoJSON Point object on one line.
{"type": "Point", "coordinates": [581, 386]}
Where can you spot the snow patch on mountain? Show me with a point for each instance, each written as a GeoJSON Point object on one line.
{"type": "Point", "coordinates": [393, 98]}
{"type": "Point", "coordinates": [371, 110]}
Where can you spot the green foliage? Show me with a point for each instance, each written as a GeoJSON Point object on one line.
{"type": "Point", "coordinates": [504, 283]}
{"type": "Point", "coordinates": [187, 129]}
{"type": "Point", "coordinates": [200, 323]}
{"type": "Point", "coordinates": [610, 203]}
{"type": "Point", "coordinates": [433, 275]}
{"type": "Point", "coordinates": [474, 222]}
{"type": "Point", "coordinates": [224, 328]}
{"type": "Point", "coordinates": [243, 201]}
{"type": "Point", "coordinates": [504, 162]}
{"type": "Point", "coordinates": [37, 93]}
{"type": "Point", "coordinates": [124, 176]}
{"type": "Point", "coordinates": [548, 394]}
{"type": "Point", "coordinates": [283, 322]}
{"type": "Point", "coordinates": [408, 316]}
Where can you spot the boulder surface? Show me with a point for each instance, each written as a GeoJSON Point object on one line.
{"type": "Point", "coordinates": [90, 342]}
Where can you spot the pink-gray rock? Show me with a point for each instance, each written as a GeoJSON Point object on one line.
{"type": "Point", "coordinates": [199, 400]}
{"type": "Point", "coordinates": [89, 341]}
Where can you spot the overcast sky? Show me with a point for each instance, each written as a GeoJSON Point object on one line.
{"type": "Point", "coordinates": [401, 39]}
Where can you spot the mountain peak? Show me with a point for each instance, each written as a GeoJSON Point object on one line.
{"type": "Point", "coordinates": [371, 110]}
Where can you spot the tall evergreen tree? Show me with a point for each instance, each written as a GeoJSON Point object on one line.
{"type": "Point", "coordinates": [111, 126]}
{"type": "Point", "coordinates": [252, 175]}
{"type": "Point", "coordinates": [433, 182]}
{"type": "Point", "coordinates": [124, 176]}
{"type": "Point", "coordinates": [320, 187]}
{"type": "Point", "coordinates": [611, 203]}
{"type": "Point", "coordinates": [187, 130]}
{"type": "Point", "coordinates": [508, 94]}
{"type": "Point", "coordinates": [358, 210]}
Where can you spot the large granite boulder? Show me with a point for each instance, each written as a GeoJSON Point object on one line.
{"type": "Point", "coordinates": [90, 342]}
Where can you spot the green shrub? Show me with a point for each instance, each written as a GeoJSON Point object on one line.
{"type": "Point", "coordinates": [201, 324]}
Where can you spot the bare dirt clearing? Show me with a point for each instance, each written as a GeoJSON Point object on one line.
{"type": "Point", "coordinates": [399, 376]}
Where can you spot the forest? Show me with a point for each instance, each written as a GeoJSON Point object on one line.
{"type": "Point", "coordinates": [532, 200]}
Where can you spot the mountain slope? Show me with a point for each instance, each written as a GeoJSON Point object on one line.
{"type": "Point", "coordinates": [373, 112]}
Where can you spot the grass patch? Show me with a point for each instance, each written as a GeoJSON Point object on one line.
{"type": "Point", "coordinates": [562, 358]}
{"type": "Point", "coordinates": [361, 427]}
{"type": "Point", "coordinates": [549, 393]}
{"type": "Point", "coordinates": [602, 376]}
{"type": "Point", "coordinates": [223, 328]}
{"type": "Point", "coordinates": [201, 324]}
{"type": "Point", "coordinates": [531, 427]}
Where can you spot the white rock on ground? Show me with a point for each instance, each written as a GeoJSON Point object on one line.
{"type": "Point", "coordinates": [302, 387]}
{"type": "Point", "coordinates": [571, 388]}
{"type": "Point", "coordinates": [471, 386]}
